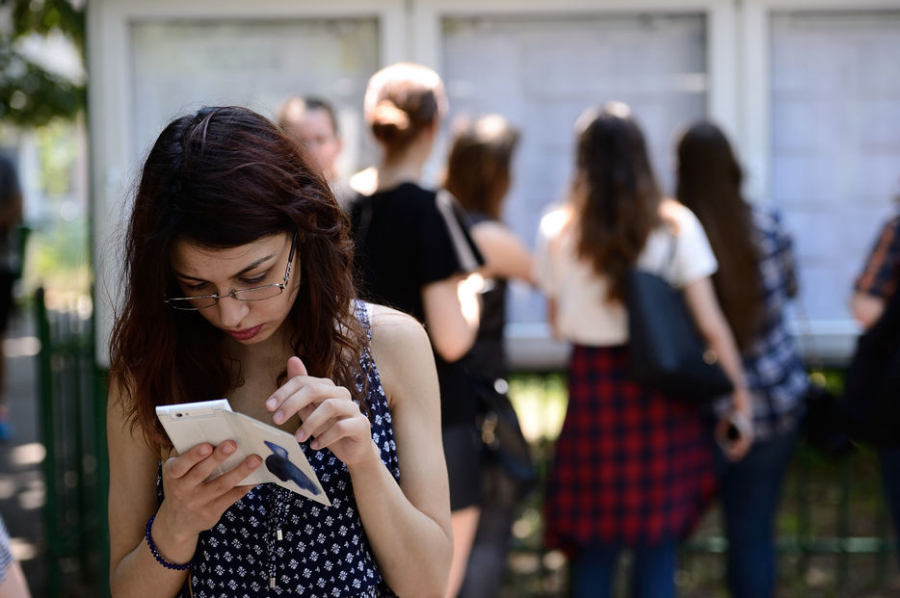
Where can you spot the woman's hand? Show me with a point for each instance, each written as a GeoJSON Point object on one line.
{"type": "Point", "coordinates": [740, 420]}
{"type": "Point", "coordinates": [328, 414]}
{"type": "Point", "coordinates": [192, 504]}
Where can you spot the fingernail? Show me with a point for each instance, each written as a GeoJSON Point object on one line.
{"type": "Point", "coordinates": [205, 450]}
{"type": "Point", "coordinates": [314, 444]}
{"type": "Point", "coordinates": [301, 435]}
{"type": "Point", "coordinates": [279, 415]}
{"type": "Point", "coordinates": [255, 462]}
{"type": "Point", "coordinates": [271, 403]}
{"type": "Point", "coordinates": [228, 448]}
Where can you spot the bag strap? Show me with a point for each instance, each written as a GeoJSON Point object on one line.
{"type": "Point", "coordinates": [445, 205]}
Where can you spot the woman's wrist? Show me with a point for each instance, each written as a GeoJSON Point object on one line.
{"type": "Point", "coordinates": [368, 462]}
{"type": "Point", "coordinates": [167, 547]}
{"type": "Point", "coordinates": [148, 536]}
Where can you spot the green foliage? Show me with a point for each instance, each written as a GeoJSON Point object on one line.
{"type": "Point", "coordinates": [30, 95]}
{"type": "Point", "coordinates": [57, 149]}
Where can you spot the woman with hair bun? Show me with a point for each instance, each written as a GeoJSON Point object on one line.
{"type": "Point", "coordinates": [414, 253]}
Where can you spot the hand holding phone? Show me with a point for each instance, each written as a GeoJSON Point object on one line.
{"type": "Point", "coordinates": [734, 433]}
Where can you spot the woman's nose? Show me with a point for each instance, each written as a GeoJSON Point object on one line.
{"type": "Point", "coordinates": [232, 311]}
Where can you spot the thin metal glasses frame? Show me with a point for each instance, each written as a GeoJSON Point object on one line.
{"type": "Point", "coordinates": [236, 293]}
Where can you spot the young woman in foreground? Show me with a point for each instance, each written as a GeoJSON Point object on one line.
{"type": "Point", "coordinates": [238, 284]}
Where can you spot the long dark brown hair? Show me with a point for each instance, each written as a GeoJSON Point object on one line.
{"type": "Point", "coordinates": [615, 193]}
{"type": "Point", "coordinates": [709, 183]}
{"type": "Point", "coordinates": [221, 178]}
{"type": "Point", "coordinates": [478, 167]}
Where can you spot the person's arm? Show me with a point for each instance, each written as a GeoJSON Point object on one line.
{"type": "Point", "coordinates": [452, 315]}
{"type": "Point", "coordinates": [191, 506]}
{"type": "Point", "coordinates": [873, 287]}
{"type": "Point", "coordinates": [700, 296]}
{"type": "Point", "coordinates": [505, 255]}
{"type": "Point", "coordinates": [407, 525]}
{"type": "Point", "coordinates": [866, 308]}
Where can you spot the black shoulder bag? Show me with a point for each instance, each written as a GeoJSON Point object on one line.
{"type": "Point", "coordinates": [667, 353]}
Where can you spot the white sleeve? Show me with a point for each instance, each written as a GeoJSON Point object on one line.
{"type": "Point", "coordinates": [693, 257]}
{"type": "Point", "coordinates": [543, 260]}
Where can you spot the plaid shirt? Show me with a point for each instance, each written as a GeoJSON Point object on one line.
{"type": "Point", "coordinates": [882, 271]}
{"type": "Point", "coordinates": [773, 366]}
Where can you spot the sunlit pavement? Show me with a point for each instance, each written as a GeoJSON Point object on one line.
{"type": "Point", "coordinates": [22, 491]}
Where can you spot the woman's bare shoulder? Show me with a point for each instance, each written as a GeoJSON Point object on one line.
{"type": "Point", "coordinates": [395, 330]}
{"type": "Point", "coordinates": [402, 352]}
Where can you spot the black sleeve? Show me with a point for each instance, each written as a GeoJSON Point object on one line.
{"type": "Point", "coordinates": [446, 246]}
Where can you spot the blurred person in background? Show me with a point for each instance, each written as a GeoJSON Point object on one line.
{"type": "Point", "coordinates": [414, 253]}
{"type": "Point", "coordinates": [873, 291]}
{"type": "Point", "coordinates": [753, 284]}
{"type": "Point", "coordinates": [633, 468]}
{"type": "Point", "coordinates": [312, 121]}
{"type": "Point", "coordinates": [880, 276]}
{"type": "Point", "coordinates": [10, 256]}
{"type": "Point", "coordinates": [479, 176]}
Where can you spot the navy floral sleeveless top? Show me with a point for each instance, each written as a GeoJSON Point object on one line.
{"type": "Point", "coordinates": [274, 542]}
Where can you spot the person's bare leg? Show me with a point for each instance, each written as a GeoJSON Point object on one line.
{"type": "Point", "coordinates": [464, 523]}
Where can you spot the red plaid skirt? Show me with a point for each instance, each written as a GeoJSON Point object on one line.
{"type": "Point", "coordinates": [632, 467]}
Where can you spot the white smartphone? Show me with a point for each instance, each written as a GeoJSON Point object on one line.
{"type": "Point", "coordinates": [190, 424]}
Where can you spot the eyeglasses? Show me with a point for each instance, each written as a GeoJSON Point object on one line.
{"type": "Point", "coordinates": [266, 291]}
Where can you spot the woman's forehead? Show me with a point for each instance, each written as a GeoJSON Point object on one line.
{"type": "Point", "coordinates": [190, 257]}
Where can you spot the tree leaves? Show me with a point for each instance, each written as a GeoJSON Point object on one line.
{"type": "Point", "coordinates": [30, 95]}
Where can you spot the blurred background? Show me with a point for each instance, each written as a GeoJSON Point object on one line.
{"type": "Point", "coordinates": [807, 90]}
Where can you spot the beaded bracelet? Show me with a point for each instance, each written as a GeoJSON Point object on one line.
{"type": "Point", "coordinates": [156, 555]}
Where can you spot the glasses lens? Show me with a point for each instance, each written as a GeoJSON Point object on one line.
{"type": "Point", "coordinates": [258, 294]}
{"type": "Point", "coordinates": [187, 303]}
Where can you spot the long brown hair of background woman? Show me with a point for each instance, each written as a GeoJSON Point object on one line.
{"type": "Point", "coordinates": [709, 183]}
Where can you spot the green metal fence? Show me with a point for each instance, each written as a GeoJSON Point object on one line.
{"type": "Point", "coordinates": [833, 528]}
{"type": "Point", "coordinates": [72, 417]}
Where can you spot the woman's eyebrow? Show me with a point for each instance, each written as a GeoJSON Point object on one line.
{"type": "Point", "coordinates": [243, 271]}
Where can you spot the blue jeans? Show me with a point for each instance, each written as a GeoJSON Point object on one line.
{"type": "Point", "coordinates": [750, 491]}
{"type": "Point", "coordinates": [890, 476]}
{"type": "Point", "coordinates": [654, 571]}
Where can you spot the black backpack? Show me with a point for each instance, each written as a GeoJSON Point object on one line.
{"type": "Point", "coordinates": [871, 400]}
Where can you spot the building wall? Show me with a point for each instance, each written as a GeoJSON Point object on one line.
{"type": "Point", "coordinates": [809, 91]}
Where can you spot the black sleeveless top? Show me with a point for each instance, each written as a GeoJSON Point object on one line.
{"type": "Point", "coordinates": [274, 542]}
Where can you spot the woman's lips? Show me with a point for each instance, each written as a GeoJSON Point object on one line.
{"type": "Point", "coordinates": [244, 335]}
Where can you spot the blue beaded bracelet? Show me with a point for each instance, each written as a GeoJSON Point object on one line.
{"type": "Point", "coordinates": [155, 552]}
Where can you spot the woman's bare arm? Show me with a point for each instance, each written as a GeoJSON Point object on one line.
{"type": "Point", "coordinates": [452, 314]}
{"type": "Point", "coordinates": [700, 296]}
{"type": "Point", "coordinates": [408, 525]}
{"type": "Point", "coordinates": [504, 252]}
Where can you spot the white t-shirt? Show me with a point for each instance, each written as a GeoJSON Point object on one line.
{"type": "Point", "coordinates": [583, 314]}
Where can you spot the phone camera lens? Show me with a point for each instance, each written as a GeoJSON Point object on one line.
{"type": "Point", "coordinates": [178, 414]}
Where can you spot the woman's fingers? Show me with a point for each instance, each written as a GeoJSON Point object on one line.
{"type": "Point", "coordinates": [204, 468]}
{"type": "Point", "coordinates": [324, 416]}
{"type": "Point", "coordinates": [306, 398]}
{"type": "Point", "coordinates": [229, 480]}
{"type": "Point", "coordinates": [178, 466]}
